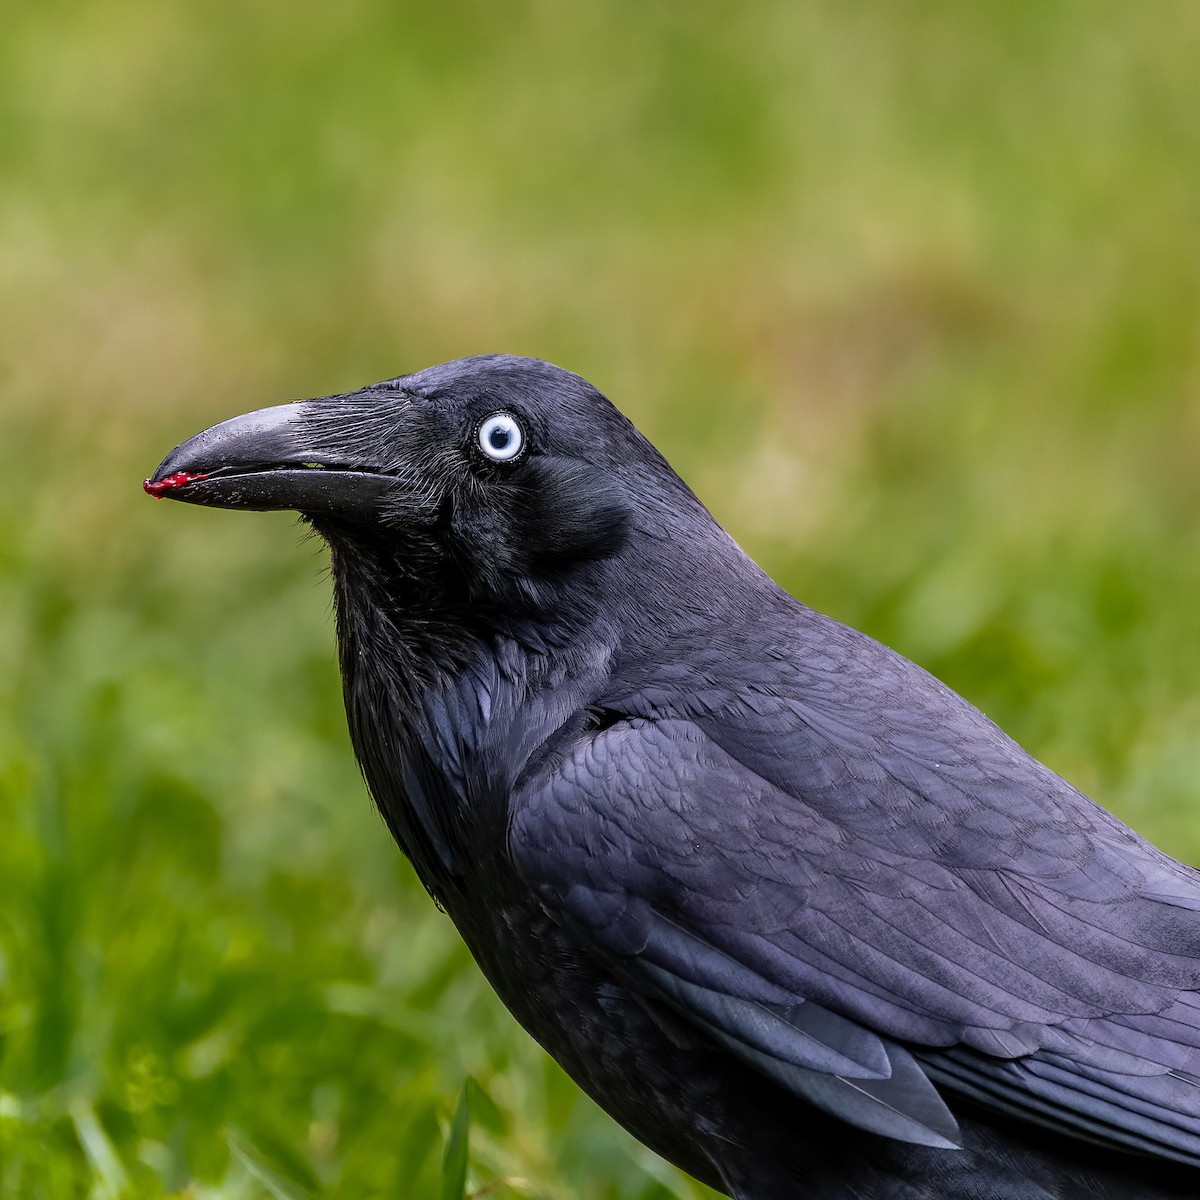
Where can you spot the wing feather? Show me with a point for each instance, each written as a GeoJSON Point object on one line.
{"type": "Point", "coordinates": [858, 969]}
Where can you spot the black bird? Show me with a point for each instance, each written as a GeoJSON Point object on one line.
{"type": "Point", "coordinates": [797, 915]}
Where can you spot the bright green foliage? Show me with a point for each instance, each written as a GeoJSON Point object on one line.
{"type": "Point", "coordinates": [454, 1165]}
{"type": "Point", "coordinates": [910, 293]}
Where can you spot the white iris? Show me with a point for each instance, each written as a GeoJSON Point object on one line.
{"type": "Point", "coordinates": [501, 437]}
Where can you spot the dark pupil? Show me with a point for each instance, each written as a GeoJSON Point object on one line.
{"type": "Point", "coordinates": [500, 437]}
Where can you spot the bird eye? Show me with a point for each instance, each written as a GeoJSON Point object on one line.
{"type": "Point", "coordinates": [501, 437]}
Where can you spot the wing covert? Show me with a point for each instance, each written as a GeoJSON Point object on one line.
{"type": "Point", "coordinates": [853, 970]}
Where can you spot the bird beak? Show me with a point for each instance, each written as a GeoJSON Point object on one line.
{"type": "Point", "coordinates": [267, 460]}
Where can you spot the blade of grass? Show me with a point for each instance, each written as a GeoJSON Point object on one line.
{"type": "Point", "coordinates": [454, 1164]}
{"type": "Point", "coordinates": [110, 1173]}
{"type": "Point", "coordinates": [256, 1165]}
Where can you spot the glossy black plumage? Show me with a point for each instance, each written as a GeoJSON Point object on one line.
{"type": "Point", "coordinates": [799, 916]}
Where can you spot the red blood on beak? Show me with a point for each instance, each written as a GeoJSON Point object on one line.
{"type": "Point", "coordinates": [178, 480]}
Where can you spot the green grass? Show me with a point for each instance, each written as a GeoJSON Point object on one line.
{"type": "Point", "coordinates": [911, 294]}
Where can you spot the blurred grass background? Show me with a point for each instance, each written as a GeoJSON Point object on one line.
{"type": "Point", "coordinates": [911, 295]}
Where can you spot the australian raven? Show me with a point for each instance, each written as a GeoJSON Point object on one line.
{"type": "Point", "coordinates": [792, 911]}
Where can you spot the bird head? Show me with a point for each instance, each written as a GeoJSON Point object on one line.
{"type": "Point", "coordinates": [496, 479]}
